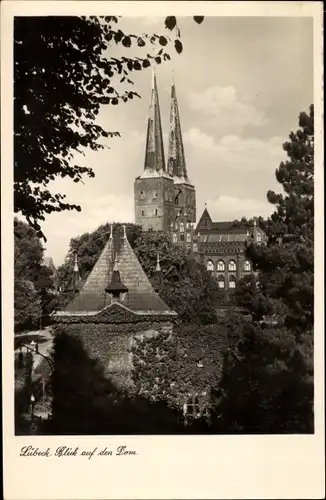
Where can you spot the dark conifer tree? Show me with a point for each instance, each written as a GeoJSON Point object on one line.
{"type": "Point", "coordinates": [269, 383]}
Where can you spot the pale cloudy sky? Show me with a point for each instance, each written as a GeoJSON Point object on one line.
{"type": "Point", "coordinates": [241, 83]}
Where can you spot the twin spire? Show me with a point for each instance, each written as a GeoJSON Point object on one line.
{"type": "Point", "coordinates": [154, 155]}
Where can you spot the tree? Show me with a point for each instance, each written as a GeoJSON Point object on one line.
{"type": "Point", "coordinates": [268, 380]}
{"type": "Point", "coordinates": [64, 71]}
{"type": "Point", "coordinates": [33, 282]}
{"type": "Point", "coordinates": [187, 286]}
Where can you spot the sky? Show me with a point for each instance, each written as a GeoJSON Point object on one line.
{"type": "Point", "coordinates": [241, 83]}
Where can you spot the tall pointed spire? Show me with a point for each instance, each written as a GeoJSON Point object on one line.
{"type": "Point", "coordinates": [74, 281]}
{"type": "Point", "coordinates": [154, 156]}
{"type": "Point", "coordinates": [176, 164]}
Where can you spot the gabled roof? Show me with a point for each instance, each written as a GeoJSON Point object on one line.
{"type": "Point", "coordinates": [140, 298]}
{"type": "Point", "coordinates": [48, 262]}
{"type": "Point", "coordinates": [204, 217]}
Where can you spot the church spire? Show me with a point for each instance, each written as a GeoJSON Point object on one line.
{"type": "Point", "coordinates": [154, 156]}
{"type": "Point", "coordinates": [176, 164]}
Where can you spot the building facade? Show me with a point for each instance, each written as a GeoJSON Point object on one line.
{"type": "Point", "coordinates": [115, 307]}
{"type": "Point", "coordinates": [221, 247]}
{"type": "Point", "coordinates": [165, 200]}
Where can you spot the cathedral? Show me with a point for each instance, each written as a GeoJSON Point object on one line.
{"type": "Point", "coordinates": [165, 200]}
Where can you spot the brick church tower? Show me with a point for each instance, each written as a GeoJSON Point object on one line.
{"type": "Point", "coordinates": [154, 188]}
{"type": "Point", "coordinates": [165, 199]}
{"type": "Point", "coordinates": [184, 192]}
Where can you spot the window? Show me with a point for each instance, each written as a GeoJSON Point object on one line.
{"type": "Point", "coordinates": [182, 237]}
{"type": "Point", "coordinates": [143, 212]}
{"type": "Point", "coordinates": [210, 266]}
{"type": "Point", "coordinates": [232, 281]}
{"type": "Point", "coordinates": [154, 193]}
{"type": "Point", "coordinates": [171, 225]}
{"type": "Point", "coordinates": [221, 281]}
{"type": "Point", "coordinates": [188, 225]}
{"type": "Point", "coordinates": [246, 265]}
{"type": "Point", "coordinates": [182, 227]}
{"type": "Point", "coordinates": [232, 265]}
{"type": "Point", "coordinates": [142, 195]}
{"type": "Point", "coordinates": [175, 238]}
{"type": "Point", "coordinates": [258, 237]}
{"type": "Point", "coordinates": [195, 248]}
{"type": "Point", "coordinates": [188, 238]}
{"type": "Point", "coordinates": [191, 408]}
{"type": "Point", "coordinates": [176, 226]}
{"type": "Point", "coordinates": [220, 265]}
{"type": "Point", "coordinates": [155, 211]}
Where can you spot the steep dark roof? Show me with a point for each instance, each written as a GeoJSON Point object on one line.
{"type": "Point", "coordinates": [140, 297]}
{"type": "Point", "coordinates": [224, 226]}
{"type": "Point", "coordinates": [48, 262]}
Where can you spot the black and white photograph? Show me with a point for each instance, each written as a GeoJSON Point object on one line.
{"type": "Point", "coordinates": [163, 226]}
{"type": "Point", "coordinates": [164, 229]}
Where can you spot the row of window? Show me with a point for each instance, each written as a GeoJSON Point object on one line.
{"type": "Point", "coordinates": [232, 266]}
{"type": "Point", "coordinates": [221, 281]}
{"type": "Point", "coordinates": [167, 196]}
{"type": "Point", "coordinates": [182, 238]}
{"type": "Point", "coordinates": [181, 226]}
{"type": "Point", "coordinates": [155, 213]}
{"type": "Point", "coordinates": [142, 194]}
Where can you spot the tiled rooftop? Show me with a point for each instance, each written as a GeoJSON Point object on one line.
{"type": "Point", "coordinates": [140, 297]}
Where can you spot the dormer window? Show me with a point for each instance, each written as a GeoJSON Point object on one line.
{"type": "Point", "coordinates": [142, 196]}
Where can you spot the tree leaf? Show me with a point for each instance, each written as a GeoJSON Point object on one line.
{"type": "Point", "coordinates": [126, 41]}
{"type": "Point", "coordinates": [162, 40]}
{"type": "Point", "coordinates": [178, 46]}
{"type": "Point", "coordinates": [170, 22]}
